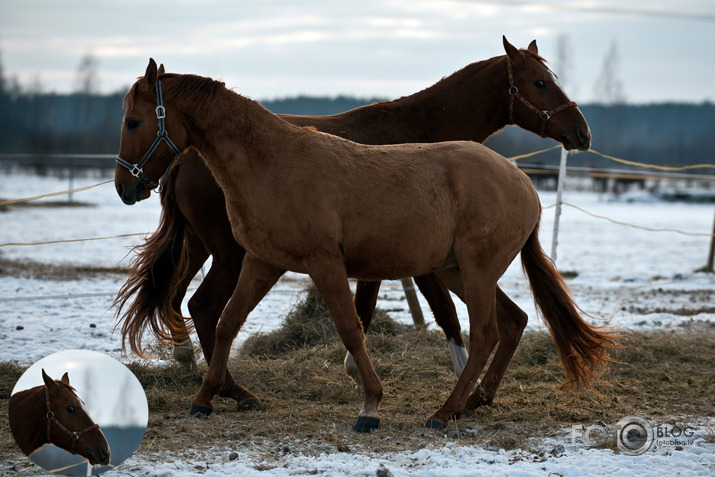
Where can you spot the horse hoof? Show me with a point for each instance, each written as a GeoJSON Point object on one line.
{"type": "Point", "coordinates": [433, 423]}
{"type": "Point", "coordinates": [200, 411]}
{"type": "Point", "coordinates": [366, 424]}
{"type": "Point", "coordinates": [252, 404]}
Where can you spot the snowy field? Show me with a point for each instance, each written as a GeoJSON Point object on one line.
{"type": "Point", "coordinates": [640, 279]}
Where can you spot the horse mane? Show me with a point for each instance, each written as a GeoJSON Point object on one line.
{"type": "Point", "coordinates": [190, 87]}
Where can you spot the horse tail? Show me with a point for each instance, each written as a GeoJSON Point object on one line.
{"type": "Point", "coordinates": [582, 347]}
{"type": "Point", "coordinates": [157, 269]}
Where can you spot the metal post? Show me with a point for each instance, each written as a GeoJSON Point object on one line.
{"type": "Point", "coordinates": [559, 193]}
{"type": "Point", "coordinates": [409, 287]}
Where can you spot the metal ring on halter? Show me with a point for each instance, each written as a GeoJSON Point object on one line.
{"type": "Point", "coordinates": [544, 115]}
{"type": "Point", "coordinates": [513, 90]}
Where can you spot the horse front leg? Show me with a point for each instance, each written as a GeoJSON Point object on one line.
{"type": "Point", "coordinates": [365, 302]}
{"type": "Point", "coordinates": [331, 280]}
{"type": "Point", "coordinates": [256, 279]}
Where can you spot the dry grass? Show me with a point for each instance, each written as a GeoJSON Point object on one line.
{"type": "Point", "coordinates": [310, 404]}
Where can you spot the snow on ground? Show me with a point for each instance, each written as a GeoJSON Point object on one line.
{"type": "Point", "coordinates": [642, 279]}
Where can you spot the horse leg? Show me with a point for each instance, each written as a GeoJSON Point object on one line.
{"type": "Point", "coordinates": [206, 306]}
{"type": "Point", "coordinates": [511, 321]}
{"type": "Point", "coordinates": [183, 347]}
{"type": "Point", "coordinates": [365, 301]}
{"type": "Point", "coordinates": [445, 315]}
{"type": "Point", "coordinates": [332, 283]}
{"type": "Point", "coordinates": [256, 279]}
{"type": "Point", "coordinates": [483, 336]}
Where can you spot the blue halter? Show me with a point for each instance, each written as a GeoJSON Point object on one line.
{"type": "Point", "coordinates": [137, 170]}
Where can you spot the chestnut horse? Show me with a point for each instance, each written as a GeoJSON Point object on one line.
{"type": "Point", "coordinates": [314, 203]}
{"type": "Point", "coordinates": [471, 104]}
{"type": "Point", "coordinates": [53, 414]}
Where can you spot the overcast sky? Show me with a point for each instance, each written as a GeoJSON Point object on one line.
{"type": "Point", "coordinates": [372, 48]}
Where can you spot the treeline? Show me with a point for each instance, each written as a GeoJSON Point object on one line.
{"type": "Point", "coordinates": [84, 124]}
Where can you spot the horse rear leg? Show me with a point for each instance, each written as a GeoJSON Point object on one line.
{"type": "Point", "coordinates": [480, 289]}
{"type": "Point", "coordinates": [197, 255]}
{"type": "Point", "coordinates": [256, 279]}
{"type": "Point", "coordinates": [511, 321]}
{"type": "Point", "coordinates": [331, 280]}
{"type": "Point", "coordinates": [445, 315]}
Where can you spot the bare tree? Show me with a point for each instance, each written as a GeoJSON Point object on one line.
{"type": "Point", "coordinates": [564, 64]}
{"type": "Point", "coordinates": [87, 81]}
{"type": "Point", "coordinates": [608, 89]}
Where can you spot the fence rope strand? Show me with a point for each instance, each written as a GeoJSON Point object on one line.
{"type": "Point", "coordinates": [618, 222]}
{"type": "Point", "coordinates": [71, 240]}
{"type": "Point", "coordinates": [53, 194]}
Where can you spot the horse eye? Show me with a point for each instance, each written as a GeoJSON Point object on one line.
{"type": "Point", "coordinates": [71, 409]}
{"type": "Point", "coordinates": [541, 84]}
{"type": "Point", "coordinates": [133, 123]}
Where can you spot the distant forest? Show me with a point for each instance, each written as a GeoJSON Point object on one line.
{"type": "Point", "coordinates": [80, 123]}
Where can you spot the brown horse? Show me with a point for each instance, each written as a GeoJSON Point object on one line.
{"type": "Point", "coordinates": [471, 104]}
{"type": "Point", "coordinates": [314, 203]}
{"type": "Point", "coordinates": [53, 414]}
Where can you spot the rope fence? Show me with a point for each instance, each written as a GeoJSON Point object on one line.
{"type": "Point", "coordinates": [542, 169]}
{"type": "Point", "coordinates": [599, 173]}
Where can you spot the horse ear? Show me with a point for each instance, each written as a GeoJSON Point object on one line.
{"type": "Point", "coordinates": [533, 48]}
{"type": "Point", "coordinates": [65, 379]}
{"type": "Point", "coordinates": [150, 75]}
{"type": "Point", "coordinates": [49, 382]}
{"type": "Point", "coordinates": [511, 51]}
{"type": "Point", "coordinates": [161, 69]}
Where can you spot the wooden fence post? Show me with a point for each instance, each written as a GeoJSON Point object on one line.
{"type": "Point", "coordinates": [408, 286]}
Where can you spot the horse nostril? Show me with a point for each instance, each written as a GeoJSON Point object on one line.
{"type": "Point", "coordinates": [583, 137]}
{"type": "Point", "coordinates": [120, 189]}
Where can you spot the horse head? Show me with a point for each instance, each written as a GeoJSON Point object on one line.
{"type": "Point", "coordinates": [69, 427]}
{"type": "Point", "coordinates": [143, 162]}
{"type": "Point", "coordinates": [537, 102]}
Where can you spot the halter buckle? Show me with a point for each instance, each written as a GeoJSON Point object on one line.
{"type": "Point", "coordinates": [160, 112]}
{"type": "Point", "coordinates": [75, 436]}
{"type": "Point", "coordinates": [136, 171]}
{"type": "Point", "coordinates": [544, 115]}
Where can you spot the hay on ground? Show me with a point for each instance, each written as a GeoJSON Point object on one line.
{"type": "Point", "coordinates": [309, 324]}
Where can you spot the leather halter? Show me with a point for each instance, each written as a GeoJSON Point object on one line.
{"type": "Point", "coordinates": [137, 170]}
{"type": "Point", "coordinates": [75, 435]}
{"type": "Point", "coordinates": [544, 114]}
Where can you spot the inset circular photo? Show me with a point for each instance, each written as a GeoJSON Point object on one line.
{"type": "Point", "coordinates": [78, 412]}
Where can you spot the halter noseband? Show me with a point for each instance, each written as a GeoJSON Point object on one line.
{"type": "Point", "coordinates": [137, 170]}
{"type": "Point", "coordinates": [75, 435]}
{"type": "Point", "coordinates": [544, 114]}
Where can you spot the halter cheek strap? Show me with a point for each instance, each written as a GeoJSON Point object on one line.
{"type": "Point", "coordinates": [137, 170]}
{"type": "Point", "coordinates": [51, 419]}
{"type": "Point", "coordinates": [544, 114]}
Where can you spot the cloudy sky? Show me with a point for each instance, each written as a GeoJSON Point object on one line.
{"type": "Point", "coordinates": [372, 48]}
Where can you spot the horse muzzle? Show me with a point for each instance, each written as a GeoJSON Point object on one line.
{"type": "Point", "coordinates": [131, 193]}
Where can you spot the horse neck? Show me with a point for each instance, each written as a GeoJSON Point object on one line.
{"type": "Point", "coordinates": [236, 134]}
{"type": "Point", "coordinates": [28, 419]}
{"type": "Point", "coordinates": [470, 104]}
